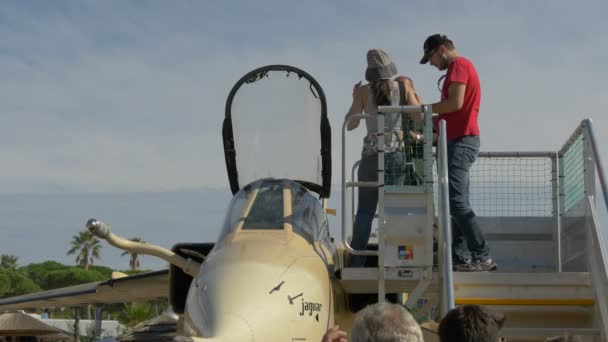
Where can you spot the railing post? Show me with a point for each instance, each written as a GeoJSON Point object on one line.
{"type": "Point", "coordinates": [589, 176]}
{"type": "Point", "coordinates": [447, 291]}
{"type": "Point", "coordinates": [556, 195]}
{"type": "Point", "coordinates": [345, 243]}
{"type": "Point", "coordinates": [353, 194]}
{"type": "Point", "coordinates": [381, 167]}
{"type": "Point", "coordinates": [343, 181]}
{"type": "Point", "coordinates": [588, 161]}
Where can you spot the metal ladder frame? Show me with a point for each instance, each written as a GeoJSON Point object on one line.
{"type": "Point", "coordinates": [447, 298]}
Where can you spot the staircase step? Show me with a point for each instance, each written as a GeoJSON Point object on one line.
{"type": "Point", "coordinates": [488, 288]}
{"type": "Point", "coordinates": [397, 280]}
{"type": "Point", "coordinates": [526, 301]}
{"type": "Point", "coordinates": [532, 279]}
{"type": "Point", "coordinates": [536, 334]}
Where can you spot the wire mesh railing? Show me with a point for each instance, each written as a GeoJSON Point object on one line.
{"type": "Point", "coordinates": [404, 154]}
{"type": "Point", "coordinates": [512, 184]}
{"type": "Point", "coordinates": [572, 170]}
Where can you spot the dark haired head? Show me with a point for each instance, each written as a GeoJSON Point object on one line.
{"type": "Point", "coordinates": [432, 43]}
{"type": "Point", "coordinates": [471, 323]}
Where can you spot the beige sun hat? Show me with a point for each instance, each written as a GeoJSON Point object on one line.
{"type": "Point", "coordinates": [379, 66]}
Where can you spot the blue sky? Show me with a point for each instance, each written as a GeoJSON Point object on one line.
{"type": "Point", "coordinates": [128, 96]}
{"type": "Point", "coordinates": [119, 95]}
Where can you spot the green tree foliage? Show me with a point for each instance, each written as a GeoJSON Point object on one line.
{"type": "Point", "coordinates": [86, 247]}
{"type": "Point", "coordinates": [72, 276]}
{"type": "Point", "coordinates": [13, 283]}
{"type": "Point", "coordinates": [8, 261]}
{"type": "Point", "coordinates": [133, 313]}
{"type": "Point", "coordinates": [105, 271]}
{"type": "Point", "coordinates": [134, 257]}
{"type": "Point", "coordinates": [38, 272]}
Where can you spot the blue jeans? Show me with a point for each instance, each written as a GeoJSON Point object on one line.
{"type": "Point", "coordinates": [368, 198]}
{"type": "Point", "coordinates": [468, 242]}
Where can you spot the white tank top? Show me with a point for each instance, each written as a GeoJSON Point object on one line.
{"type": "Point", "coordinates": [392, 123]}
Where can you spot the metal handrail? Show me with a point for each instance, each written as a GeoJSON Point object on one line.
{"type": "Point", "coordinates": [587, 125]}
{"type": "Point", "coordinates": [597, 234]}
{"type": "Point", "coordinates": [447, 294]}
{"type": "Point", "coordinates": [572, 139]}
{"type": "Point", "coordinates": [585, 129]}
{"type": "Point", "coordinates": [598, 249]}
{"type": "Point", "coordinates": [345, 242]}
{"type": "Point", "coordinates": [595, 273]}
{"type": "Point", "coordinates": [428, 168]}
{"type": "Point", "coordinates": [514, 154]}
{"type": "Point", "coordinates": [352, 200]}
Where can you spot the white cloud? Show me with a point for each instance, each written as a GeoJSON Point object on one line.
{"type": "Point", "coordinates": [126, 96]}
{"type": "Point", "coordinates": [113, 96]}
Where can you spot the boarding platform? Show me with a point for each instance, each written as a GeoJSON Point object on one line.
{"type": "Point", "coordinates": [538, 211]}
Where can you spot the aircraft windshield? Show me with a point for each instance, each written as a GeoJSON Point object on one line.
{"type": "Point", "coordinates": [275, 119]}
{"type": "Point", "coordinates": [259, 206]}
{"type": "Point", "coordinates": [267, 208]}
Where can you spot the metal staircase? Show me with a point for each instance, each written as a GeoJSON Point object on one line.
{"type": "Point", "coordinates": [405, 225]}
{"type": "Point", "coordinates": [539, 214]}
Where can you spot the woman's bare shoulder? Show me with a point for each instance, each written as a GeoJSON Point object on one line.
{"type": "Point", "coordinates": [404, 79]}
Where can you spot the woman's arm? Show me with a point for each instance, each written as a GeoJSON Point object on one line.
{"type": "Point", "coordinates": [359, 97]}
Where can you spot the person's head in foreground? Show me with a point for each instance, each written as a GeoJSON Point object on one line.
{"type": "Point", "coordinates": [471, 323]}
{"type": "Point", "coordinates": [385, 322]}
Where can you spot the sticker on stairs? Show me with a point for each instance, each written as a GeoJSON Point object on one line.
{"type": "Point", "coordinates": [405, 252]}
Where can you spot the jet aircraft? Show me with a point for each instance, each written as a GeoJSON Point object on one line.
{"type": "Point", "coordinates": [270, 274]}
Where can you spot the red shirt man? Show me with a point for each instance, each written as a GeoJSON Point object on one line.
{"type": "Point", "coordinates": [459, 106]}
{"type": "Point", "coordinates": [462, 122]}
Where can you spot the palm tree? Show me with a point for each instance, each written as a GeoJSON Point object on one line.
{"type": "Point", "coordinates": [8, 261]}
{"type": "Point", "coordinates": [133, 313]}
{"type": "Point", "coordinates": [86, 247]}
{"type": "Point", "coordinates": [134, 262]}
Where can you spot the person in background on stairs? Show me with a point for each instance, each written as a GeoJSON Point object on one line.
{"type": "Point", "coordinates": [459, 107]}
{"type": "Point", "coordinates": [385, 88]}
{"type": "Point", "coordinates": [471, 323]}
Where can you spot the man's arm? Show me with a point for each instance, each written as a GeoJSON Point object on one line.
{"type": "Point", "coordinates": [356, 107]}
{"type": "Point", "coordinates": [454, 101]}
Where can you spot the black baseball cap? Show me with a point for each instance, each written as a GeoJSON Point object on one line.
{"type": "Point", "coordinates": [430, 44]}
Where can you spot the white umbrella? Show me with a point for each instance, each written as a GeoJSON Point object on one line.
{"type": "Point", "coordinates": [15, 324]}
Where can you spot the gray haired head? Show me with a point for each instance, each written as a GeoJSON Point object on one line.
{"type": "Point", "coordinates": [385, 322]}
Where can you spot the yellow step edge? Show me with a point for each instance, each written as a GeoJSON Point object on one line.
{"type": "Point", "coordinates": [519, 301]}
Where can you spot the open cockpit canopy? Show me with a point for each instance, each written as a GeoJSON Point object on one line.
{"type": "Point", "coordinates": [274, 204]}
{"type": "Point", "coordinates": [276, 126]}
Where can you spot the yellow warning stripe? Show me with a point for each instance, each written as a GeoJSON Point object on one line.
{"type": "Point", "coordinates": [518, 301]}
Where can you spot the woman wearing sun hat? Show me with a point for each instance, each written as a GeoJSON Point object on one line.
{"type": "Point", "coordinates": [384, 88]}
